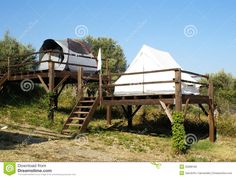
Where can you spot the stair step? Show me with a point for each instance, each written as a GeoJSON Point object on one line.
{"type": "Point", "coordinates": [77, 118]}
{"type": "Point", "coordinates": [67, 131]}
{"type": "Point", "coordinates": [77, 125]}
{"type": "Point", "coordinates": [80, 112]}
{"type": "Point", "coordinates": [87, 101]}
{"type": "Point", "coordinates": [87, 107]}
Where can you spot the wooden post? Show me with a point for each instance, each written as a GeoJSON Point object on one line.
{"type": "Point", "coordinates": [129, 116]}
{"type": "Point", "coordinates": [8, 68]}
{"type": "Point", "coordinates": [100, 88]}
{"type": "Point", "coordinates": [51, 88]}
{"type": "Point", "coordinates": [51, 74]}
{"type": "Point", "coordinates": [178, 92]}
{"type": "Point", "coordinates": [108, 115]}
{"type": "Point", "coordinates": [80, 82]}
{"type": "Point", "coordinates": [212, 133]}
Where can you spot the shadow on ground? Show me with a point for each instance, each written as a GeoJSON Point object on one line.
{"type": "Point", "coordinates": [159, 127]}
{"type": "Point", "coordinates": [10, 140]}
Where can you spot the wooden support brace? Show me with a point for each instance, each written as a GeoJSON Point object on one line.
{"type": "Point", "coordinates": [61, 82]}
{"type": "Point", "coordinates": [186, 107]}
{"type": "Point", "coordinates": [43, 83]}
{"type": "Point", "coordinates": [203, 109]}
{"type": "Point", "coordinates": [129, 114]}
{"type": "Point", "coordinates": [167, 111]}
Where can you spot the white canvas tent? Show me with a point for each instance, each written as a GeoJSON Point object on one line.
{"type": "Point", "coordinates": [149, 59]}
{"type": "Point", "coordinates": [79, 52]}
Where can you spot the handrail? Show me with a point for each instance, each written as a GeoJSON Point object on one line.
{"type": "Point", "coordinates": [144, 72]}
{"type": "Point", "coordinates": [196, 74]}
{"type": "Point", "coordinates": [140, 83]}
{"type": "Point", "coordinates": [51, 51]}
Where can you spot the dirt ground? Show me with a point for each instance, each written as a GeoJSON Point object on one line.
{"type": "Point", "coordinates": [24, 146]}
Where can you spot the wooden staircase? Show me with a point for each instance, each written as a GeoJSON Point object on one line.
{"type": "Point", "coordinates": [3, 78]}
{"type": "Point", "coordinates": [80, 116]}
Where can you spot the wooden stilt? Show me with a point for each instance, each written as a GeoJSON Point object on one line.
{"type": "Point", "coordinates": [129, 114]}
{"type": "Point", "coordinates": [51, 89]}
{"type": "Point", "coordinates": [108, 115]}
{"type": "Point", "coordinates": [178, 92]}
{"type": "Point", "coordinates": [212, 129]}
{"type": "Point", "coordinates": [80, 82]}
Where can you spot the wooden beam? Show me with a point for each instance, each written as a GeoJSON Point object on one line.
{"type": "Point", "coordinates": [137, 101]}
{"type": "Point", "coordinates": [212, 134]}
{"type": "Point", "coordinates": [136, 110]}
{"type": "Point", "coordinates": [212, 128]}
{"type": "Point", "coordinates": [178, 92]}
{"type": "Point", "coordinates": [80, 82]}
{"type": "Point", "coordinates": [43, 83]}
{"type": "Point", "coordinates": [186, 108]}
{"type": "Point", "coordinates": [166, 111]}
{"type": "Point", "coordinates": [62, 87]}
{"type": "Point", "coordinates": [51, 76]}
{"type": "Point", "coordinates": [108, 115]}
{"type": "Point", "coordinates": [203, 109]}
{"type": "Point", "coordinates": [61, 82]}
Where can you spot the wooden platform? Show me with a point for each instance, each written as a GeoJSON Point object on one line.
{"type": "Point", "coordinates": [54, 81]}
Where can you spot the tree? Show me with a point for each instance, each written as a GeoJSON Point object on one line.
{"type": "Point", "coordinates": [110, 50]}
{"type": "Point", "coordinates": [14, 50]}
{"type": "Point", "coordinates": [224, 90]}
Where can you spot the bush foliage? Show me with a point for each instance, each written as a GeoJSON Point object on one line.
{"type": "Point", "coordinates": [178, 133]}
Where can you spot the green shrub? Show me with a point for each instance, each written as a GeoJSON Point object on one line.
{"type": "Point", "coordinates": [178, 133]}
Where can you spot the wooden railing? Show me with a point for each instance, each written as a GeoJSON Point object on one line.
{"type": "Point", "coordinates": [107, 82]}
{"type": "Point", "coordinates": [32, 65]}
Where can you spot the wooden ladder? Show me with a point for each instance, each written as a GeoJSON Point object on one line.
{"type": "Point", "coordinates": [80, 116]}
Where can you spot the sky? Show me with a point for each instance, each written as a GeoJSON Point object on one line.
{"type": "Point", "coordinates": [199, 34]}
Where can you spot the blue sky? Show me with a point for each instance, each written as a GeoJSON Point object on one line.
{"type": "Point", "coordinates": [199, 34]}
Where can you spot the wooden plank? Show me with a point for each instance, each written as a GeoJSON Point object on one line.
{"type": "Point", "coordinates": [140, 83]}
{"type": "Point", "coordinates": [143, 72]}
{"type": "Point", "coordinates": [166, 111]}
{"type": "Point", "coordinates": [43, 83]}
{"type": "Point", "coordinates": [200, 83]}
{"type": "Point", "coordinates": [137, 102]}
